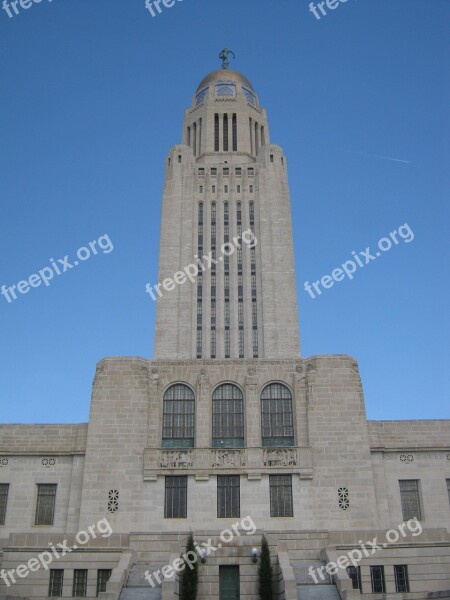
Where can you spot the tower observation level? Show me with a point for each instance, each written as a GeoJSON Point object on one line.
{"type": "Point", "coordinates": [226, 179]}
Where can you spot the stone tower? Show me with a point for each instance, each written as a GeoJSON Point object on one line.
{"type": "Point", "coordinates": [226, 178]}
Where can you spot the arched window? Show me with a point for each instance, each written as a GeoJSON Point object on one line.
{"type": "Point", "coordinates": [178, 418]}
{"type": "Point", "coordinates": [276, 416]}
{"type": "Point", "coordinates": [228, 417]}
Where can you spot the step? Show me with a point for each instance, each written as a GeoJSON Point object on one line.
{"type": "Point", "coordinates": [303, 576]}
{"type": "Point", "coordinates": [136, 576]}
{"type": "Point", "coordinates": [317, 592]}
{"type": "Point", "coordinates": [140, 593]}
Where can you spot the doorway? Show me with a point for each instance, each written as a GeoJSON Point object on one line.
{"type": "Point", "coordinates": [229, 583]}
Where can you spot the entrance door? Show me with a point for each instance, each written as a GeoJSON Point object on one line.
{"type": "Point", "coordinates": [229, 583]}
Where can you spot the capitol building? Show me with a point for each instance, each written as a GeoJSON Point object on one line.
{"type": "Point", "coordinates": [228, 422]}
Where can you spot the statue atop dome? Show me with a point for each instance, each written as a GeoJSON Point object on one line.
{"type": "Point", "coordinates": [224, 57]}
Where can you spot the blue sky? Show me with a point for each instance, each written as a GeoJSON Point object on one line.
{"type": "Point", "coordinates": [92, 97]}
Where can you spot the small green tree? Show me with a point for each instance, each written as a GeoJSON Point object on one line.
{"type": "Point", "coordinates": [189, 576]}
{"type": "Point", "coordinates": [265, 573]}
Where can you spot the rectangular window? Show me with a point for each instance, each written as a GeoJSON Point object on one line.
{"type": "Point", "coordinates": [200, 189]}
{"type": "Point", "coordinates": [213, 189]}
{"type": "Point", "coordinates": [251, 172]}
{"type": "Point", "coordinates": [213, 343]}
{"type": "Point", "coordinates": [410, 497]}
{"type": "Point", "coordinates": [45, 505]}
{"type": "Point", "coordinates": [103, 576]}
{"type": "Point", "coordinates": [281, 496]}
{"type": "Point", "coordinates": [225, 133]}
{"type": "Point", "coordinates": [238, 172]}
{"type": "Point", "coordinates": [4, 489]}
{"type": "Point", "coordinates": [214, 172]}
{"type": "Point", "coordinates": [255, 342]}
{"type": "Point", "coordinates": [234, 133]}
{"type": "Point", "coordinates": [238, 189]}
{"type": "Point", "coordinates": [250, 189]}
{"type": "Point", "coordinates": [355, 575]}
{"type": "Point", "coordinates": [216, 133]}
{"type": "Point", "coordinates": [227, 343]}
{"type": "Point", "coordinates": [175, 503]}
{"type": "Point", "coordinates": [201, 172]}
{"type": "Point", "coordinates": [401, 578]}
{"type": "Point", "coordinates": [225, 189]}
{"type": "Point", "coordinates": [199, 342]}
{"type": "Point", "coordinates": [228, 496]}
{"type": "Point", "coordinates": [448, 490]}
{"type": "Point", "coordinates": [377, 578]}
{"type": "Point", "coordinates": [179, 159]}
{"type": "Point", "coordinates": [79, 583]}
{"type": "Point", "coordinates": [226, 172]}
{"type": "Point", "coordinates": [55, 586]}
{"type": "Point", "coordinates": [240, 312]}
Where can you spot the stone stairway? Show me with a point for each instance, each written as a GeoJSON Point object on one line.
{"type": "Point", "coordinates": [309, 588]}
{"type": "Point", "coordinates": [137, 587]}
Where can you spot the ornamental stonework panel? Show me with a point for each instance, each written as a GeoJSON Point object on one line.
{"type": "Point", "coordinates": [229, 458]}
{"type": "Point", "coordinates": [280, 457]}
{"type": "Point", "coordinates": [176, 459]}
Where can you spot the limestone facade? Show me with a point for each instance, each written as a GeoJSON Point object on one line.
{"type": "Point", "coordinates": [341, 474]}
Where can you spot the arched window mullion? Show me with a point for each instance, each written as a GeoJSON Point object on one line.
{"type": "Point", "coordinates": [178, 417]}
{"type": "Point", "coordinates": [277, 423]}
{"type": "Point", "coordinates": [228, 417]}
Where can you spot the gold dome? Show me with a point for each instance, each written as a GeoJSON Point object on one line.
{"type": "Point", "coordinates": [225, 75]}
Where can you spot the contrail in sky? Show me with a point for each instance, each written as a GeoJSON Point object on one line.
{"type": "Point", "coordinates": [386, 157]}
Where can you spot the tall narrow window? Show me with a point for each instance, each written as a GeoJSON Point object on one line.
{"type": "Point", "coordinates": [79, 583]}
{"type": "Point", "coordinates": [234, 133]}
{"type": "Point", "coordinates": [225, 133]}
{"type": "Point", "coordinates": [228, 417]}
{"type": "Point", "coordinates": [4, 489]}
{"type": "Point", "coordinates": [228, 496]}
{"type": "Point", "coordinates": [276, 416]}
{"type": "Point", "coordinates": [213, 343]}
{"type": "Point", "coordinates": [227, 340]}
{"type": "Point", "coordinates": [189, 136]}
{"type": "Point", "coordinates": [281, 496]}
{"type": "Point", "coordinates": [45, 505]}
{"type": "Point", "coordinates": [263, 137]}
{"type": "Point", "coordinates": [250, 123]}
{"type": "Point", "coordinates": [216, 132]}
{"type": "Point", "coordinates": [226, 266]}
{"type": "Point", "coordinates": [103, 576]}
{"type": "Point", "coordinates": [377, 578]}
{"type": "Point", "coordinates": [199, 338]}
{"type": "Point", "coordinates": [178, 417]}
{"type": "Point", "coordinates": [240, 282]}
{"type": "Point", "coordinates": [194, 145]}
{"type": "Point", "coordinates": [448, 490]}
{"type": "Point", "coordinates": [241, 343]}
{"type": "Point", "coordinates": [355, 575]}
{"type": "Point", "coordinates": [401, 578]}
{"type": "Point", "coordinates": [175, 501]}
{"type": "Point", "coordinates": [256, 138]}
{"type": "Point", "coordinates": [410, 497]}
{"type": "Point", "coordinates": [200, 136]}
{"type": "Point", "coordinates": [55, 586]}
{"type": "Point", "coordinates": [213, 280]}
